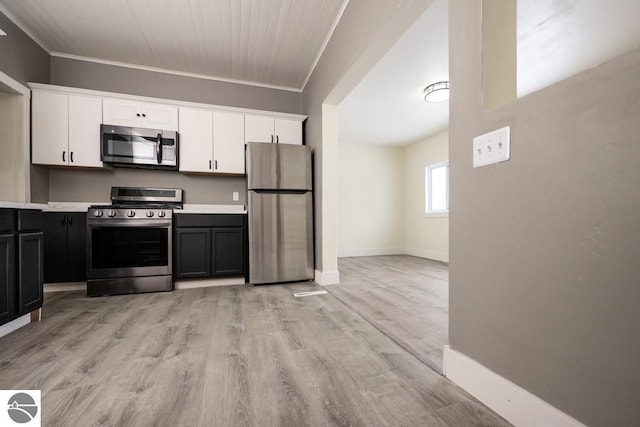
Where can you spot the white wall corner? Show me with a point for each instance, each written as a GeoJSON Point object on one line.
{"type": "Point", "coordinates": [512, 402]}
{"type": "Point", "coordinates": [324, 278]}
{"type": "Point", "coordinates": [423, 253]}
{"type": "Point", "coordinates": [347, 253]}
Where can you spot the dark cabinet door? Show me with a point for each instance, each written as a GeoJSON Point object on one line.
{"type": "Point", "coordinates": [55, 247]}
{"type": "Point", "coordinates": [76, 247]}
{"type": "Point", "coordinates": [228, 251]}
{"type": "Point", "coordinates": [30, 271]}
{"type": "Point", "coordinates": [65, 247]}
{"type": "Point", "coordinates": [7, 278]}
{"type": "Point", "coordinates": [193, 253]}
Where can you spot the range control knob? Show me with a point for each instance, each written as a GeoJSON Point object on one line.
{"type": "Point", "coordinates": [162, 214]}
{"type": "Point", "coordinates": [98, 213]}
{"type": "Point", "coordinates": [149, 214]}
{"type": "Point", "coordinates": [131, 214]}
{"type": "Point", "coordinates": [111, 213]}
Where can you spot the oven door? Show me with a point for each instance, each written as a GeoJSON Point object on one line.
{"type": "Point", "coordinates": [128, 248]}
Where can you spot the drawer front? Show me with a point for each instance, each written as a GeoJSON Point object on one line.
{"type": "Point", "coordinates": [209, 220]}
{"type": "Point", "coordinates": [7, 220]}
{"type": "Point", "coordinates": [29, 219]}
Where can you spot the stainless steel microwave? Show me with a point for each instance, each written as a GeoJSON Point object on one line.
{"type": "Point", "coordinates": [138, 147]}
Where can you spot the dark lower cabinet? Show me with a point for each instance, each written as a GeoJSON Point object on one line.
{"type": "Point", "coordinates": [193, 252]}
{"type": "Point", "coordinates": [228, 251]}
{"type": "Point", "coordinates": [30, 271]}
{"type": "Point", "coordinates": [8, 306]}
{"type": "Point", "coordinates": [65, 247]}
{"type": "Point", "coordinates": [21, 262]}
{"type": "Point", "coordinates": [209, 245]}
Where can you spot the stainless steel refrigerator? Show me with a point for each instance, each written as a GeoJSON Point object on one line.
{"type": "Point", "coordinates": [279, 182]}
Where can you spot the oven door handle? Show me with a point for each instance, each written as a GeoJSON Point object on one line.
{"type": "Point", "coordinates": [129, 223]}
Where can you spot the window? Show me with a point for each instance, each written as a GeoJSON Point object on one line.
{"type": "Point", "coordinates": [436, 180]}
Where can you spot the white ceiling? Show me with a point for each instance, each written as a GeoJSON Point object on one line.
{"type": "Point", "coordinates": [387, 107]}
{"type": "Point", "coordinates": [267, 42]}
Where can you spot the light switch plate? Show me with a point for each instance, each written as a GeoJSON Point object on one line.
{"type": "Point", "coordinates": [235, 196]}
{"type": "Point", "coordinates": [492, 147]}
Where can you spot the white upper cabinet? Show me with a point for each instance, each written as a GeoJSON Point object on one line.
{"type": "Point", "coordinates": [228, 142]}
{"type": "Point", "coordinates": [49, 128]}
{"type": "Point", "coordinates": [211, 141]}
{"type": "Point", "coordinates": [66, 129]}
{"type": "Point", "coordinates": [288, 131]}
{"type": "Point", "coordinates": [85, 117]}
{"type": "Point", "coordinates": [272, 130]}
{"type": "Point", "coordinates": [196, 140]}
{"type": "Point", "coordinates": [124, 112]}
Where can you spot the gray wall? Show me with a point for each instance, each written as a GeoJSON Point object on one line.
{"type": "Point", "coordinates": [20, 57]}
{"type": "Point", "coordinates": [70, 185]}
{"type": "Point", "coordinates": [91, 75]}
{"type": "Point", "coordinates": [544, 281]}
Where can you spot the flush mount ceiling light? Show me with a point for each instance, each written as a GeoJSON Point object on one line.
{"type": "Point", "coordinates": [437, 92]}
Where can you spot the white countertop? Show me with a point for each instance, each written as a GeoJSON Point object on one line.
{"type": "Point", "coordinates": [71, 206]}
{"type": "Point", "coordinates": [212, 209]}
{"type": "Point", "coordinates": [21, 205]}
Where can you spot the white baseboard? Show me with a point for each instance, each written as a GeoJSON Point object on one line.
{"type": "Point", "coordinates": [423, 253]}
{"type": "Point", "coordinates": [15, 324]}
{"type": "Point", "coordinates": [67, 286]}
{"type": "Point", "coordinates": [324, 278]}
{"type": "Point", "coordinates": [348, 253]}
{"type": "Point", "coordinates": [512, 402]}
{"type": "Point", "coordinates": [418, 252]}
{"type": "Point", "coordinates": [207, 283]}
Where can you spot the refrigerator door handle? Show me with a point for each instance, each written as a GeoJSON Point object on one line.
{"type": "Point", "coordinates": [281, 191]}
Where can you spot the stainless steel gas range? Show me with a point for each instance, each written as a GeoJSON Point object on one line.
{"type": "Point", "coordinates": [129, 245]}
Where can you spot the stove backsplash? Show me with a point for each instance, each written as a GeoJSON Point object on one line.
{"type": "Point", "coordinates": [71, 185]}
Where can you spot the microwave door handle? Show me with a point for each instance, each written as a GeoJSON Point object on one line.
{"type": "Point", "coordinates": [159, 148]}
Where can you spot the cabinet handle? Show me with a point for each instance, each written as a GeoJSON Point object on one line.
{"type": "Point", "coordinates": [71, 156]}
{"type": "Point", "coordinates": [62, 218]}
{"type": "Point", "coordinates": [144, 115]}
{"type": "Point", "coordinates": [215, 165]}
{"type": "Point", "coordinates": [272, 139]}
{"type": "Point", "coordinates": [277, 139]}
{"type": "Point", "coordinates": [64, 159]}
{"type": "Point", "coordinates": [70, 220]}
{"type": "Point", "coordinates": [138, 114]}
{"type": "Point", "coordinates": [209, 164]}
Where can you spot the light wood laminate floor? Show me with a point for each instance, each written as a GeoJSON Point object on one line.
{"type": "Point", "coordinates": [405, 297]}
{"type": "Point", "coordinates": [224, 356]}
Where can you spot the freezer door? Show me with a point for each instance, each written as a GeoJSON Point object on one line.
{"type": "Point", "coordinates": [278, 167]}
{"type": "Point", "coordinates": [280, 237]}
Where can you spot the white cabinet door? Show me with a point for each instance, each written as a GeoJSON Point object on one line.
{"type": "Point", "coordinates": [123, 112]}
{"type": "Point", "coordinates": [50, 128]}
{"type": "Point", "coordinates": [159, 116]}
{"type": "Point", "coordinates": [288, 131]}
{"type": "Point", "coordinates": [196, 140]}
{"type": "Point", "coordinates": [85, 117]}
{"type": "Point", "coordinates": [228, 142]}
{"type": "Point", "coordinates": [258, 129]}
